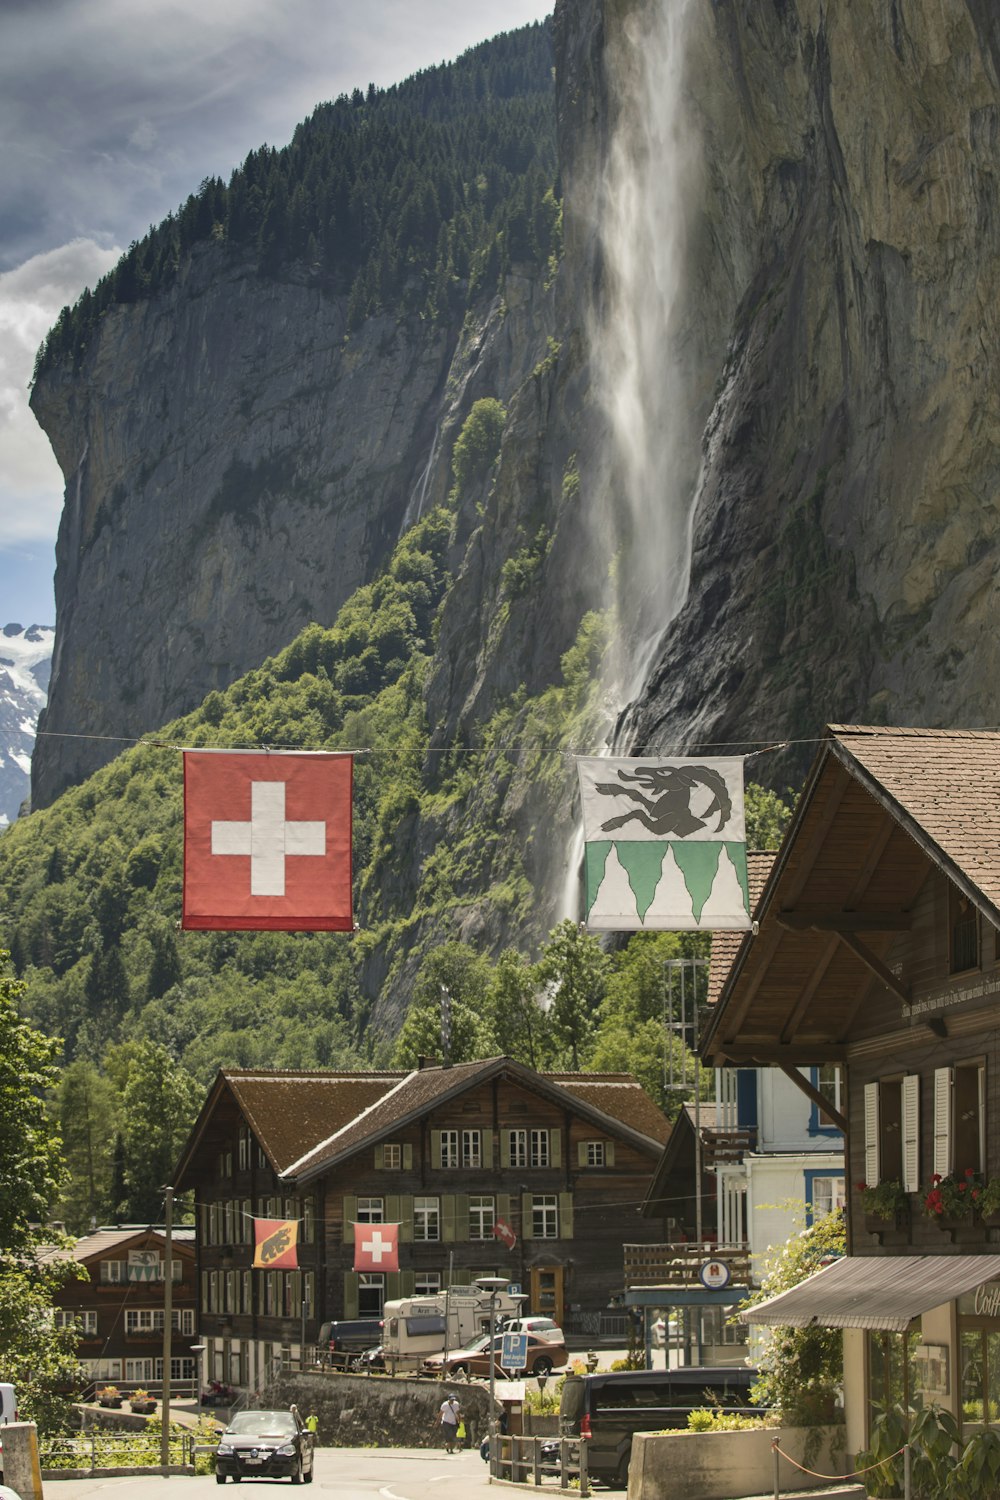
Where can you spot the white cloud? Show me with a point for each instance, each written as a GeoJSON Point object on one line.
{"type": "Point", "coordinates": [30, 300]}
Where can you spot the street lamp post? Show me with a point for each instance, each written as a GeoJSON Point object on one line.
{"type": "Point", "coordinates": [492, 1284]}
{"type": "Point", "coordinates": [198, 1350]}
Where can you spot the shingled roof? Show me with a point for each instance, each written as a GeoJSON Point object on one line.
{"type": "Point", "coordinates": [726, 945]}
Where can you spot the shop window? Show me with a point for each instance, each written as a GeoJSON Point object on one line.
{"type": "Point", "coordinates": [964, 932]}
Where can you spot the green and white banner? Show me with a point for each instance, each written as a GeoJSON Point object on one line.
{"type": "Point", "coordinates": [665, 845]}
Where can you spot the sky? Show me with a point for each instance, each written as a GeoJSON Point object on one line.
{"type": "Point", "coordinates": [111, 113]}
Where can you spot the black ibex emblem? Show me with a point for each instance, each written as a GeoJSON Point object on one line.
{"type": "Point", "coordinates": [665, 801]}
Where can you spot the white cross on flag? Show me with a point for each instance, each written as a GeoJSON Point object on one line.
{"type": "Point", "coordinates": [376, 1247]}
{"type": "Point", "coordinates": [267, 841]}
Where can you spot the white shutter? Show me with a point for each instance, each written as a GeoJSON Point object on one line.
{"type": "Point", "coordinates": [871, 1135]}
{"type": "Point", "coordinates": [942, 1120]}
{"type": "Point", "coordinates": [911, 1133]}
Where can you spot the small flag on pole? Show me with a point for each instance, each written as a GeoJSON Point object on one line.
{"type": "Point", "coordinates": [376, 1247]}
{"type": "Point", "coordinates": [664, 844]}
{"type": "Point", "coordinates": [267, 841]}
{"type": "Point", "coordinates": [276, 1244]}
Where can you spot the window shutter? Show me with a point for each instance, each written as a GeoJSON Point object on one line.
{"type": "Point", "coordinates": [407, 1282]}
{"type": "Point", "coordinates": [555, 1148]}
{"type": "Point", "coordinates": [505, 1148]}
{"type": "Point", "coordinates": [393, 1290]}
{"type": "Point", "coordinates": [436, 1150]}
{"type": "Point", "coordinates": [911, 1133]}
{"type": "Point", "coordinates": [487, 1150]}
{"type": "Point", "coordinates": [871, 1135]}
{"type": "Point", "coordinates": [405, 1217]}
{"type": "Point", "coordinates": [526, 1223]}
{"type": "Point", "coordinates": [448, 1217]}
{"type": "Point", "coordinates": [609, 1153]}
{"type": "Point", "coordinates": [503, 1207]}
{"type": "Point", "coordinates": [350, 1214]}
{"type": "Point", "coordinates": [461, 1216]}
{"type": "Point", "coordinates": [942, 1120]}
{"type": "Point", "coordinates": [581, 1153]}
{"type": "Point", "coordinates": [379, 1158]}
{"type": "Point", "coordinates": [350, 1294]}
{"type": "Point", "coordinates": [408, 1158]}
{"type": "Point", "coordinates": [392, 1203]}
{"type": "Point", "coordinates": [461, 1276]}
{"type": "Point", "coordinates": [565, 1216]}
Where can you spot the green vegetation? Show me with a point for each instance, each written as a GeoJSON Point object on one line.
{"type": "Point", "coordinates": [413, 199]}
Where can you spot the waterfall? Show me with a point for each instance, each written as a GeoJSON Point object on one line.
{"type": "Point", "coordinates": [418, 495]}
{"type": "Point", "coordinates": [646, 200]}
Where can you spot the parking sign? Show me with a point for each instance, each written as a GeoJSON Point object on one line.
{"type": "Point", "coordinates": [514, 1351]}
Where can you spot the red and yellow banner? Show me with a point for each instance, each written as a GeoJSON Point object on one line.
{"type": "Point", "coordinates": [276, 1242]}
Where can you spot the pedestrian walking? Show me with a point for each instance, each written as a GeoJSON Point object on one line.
{"type": "Point", "coordinates": [450, 1415]}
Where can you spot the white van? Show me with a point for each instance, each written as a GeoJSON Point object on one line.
{"type": "Point", "coordinates": [8, 1406]}
{"type": "Point", "coordinates": [415, 1327]}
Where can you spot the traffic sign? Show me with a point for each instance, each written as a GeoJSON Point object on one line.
{"type": "Point", "coordinates": [514, 1351]}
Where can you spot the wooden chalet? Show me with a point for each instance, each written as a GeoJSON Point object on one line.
{"type": "Point", "coordinates": [447, 1152]}
{"type": "Point", "coordinates": [876, 951]}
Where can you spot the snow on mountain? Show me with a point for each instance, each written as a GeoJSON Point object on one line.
{"type": "Point", "coordinates": [25, 664]}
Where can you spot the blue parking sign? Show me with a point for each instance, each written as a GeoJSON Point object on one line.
{"type": "Point", "coordinates": [514, 1351]}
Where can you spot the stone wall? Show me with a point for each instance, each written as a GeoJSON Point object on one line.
{"type": "Point", "coordinates": [726, 1465]}
{"type": "Point", "coordinates": [372, 1410]}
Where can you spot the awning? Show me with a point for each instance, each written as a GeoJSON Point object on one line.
{"type": "Point", "coordinates": [874, 1292]}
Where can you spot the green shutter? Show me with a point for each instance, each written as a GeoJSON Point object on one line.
{"type": "Point", "coordinates": [393, 1289]}
{"type": "Point", "coordinates": [350, 1294]}
{"type": "Point", "coordinates": [379, 1158]}
{"type": "Point", "coordinates": [392, 1208]}
{"type": "Point", "coordinates": [581, 1153]}
{"type": "Point", "coordinates": [436, 1150]}
{"type": "Point", "coordinates": [526, 1223]}
{"type": "Point", "coordinates": [505, 1148]}
{"type": "Point", "coordinates": [448, 1217]}
{"type": "Point", "coordinates": [503, 1207]}
{"type": "Point", "coordinates": [461, 1216]}
{"type": "Point", "coordinates": [407, 1281]}
{"type": "Point", "coordinates": [609, 1153]}
{"type": "Point", "coordinates": [405, 1217]}
{"type": "Point", "coordinates": [487, 1150]}
{"type": "Point", "coordinates": [461, 1276]}
{"type": "Point", "coordinates": [407, 1158]}
{"type": "Point", "coordinates": [350, 1214]}
{"type": "Point", "coordinates": [565, 1216]}
{"type": "Point", "coordinates": [555, 1147]}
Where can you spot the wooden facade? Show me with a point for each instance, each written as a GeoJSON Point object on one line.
{"type": "Point", "coordinates": [564, 1160]}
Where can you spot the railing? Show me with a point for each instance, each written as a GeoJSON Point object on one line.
{"type": "Point", "coordinates": [721, 1147]}
{"type": "Point", "coordinates": [520, 1459]}
{"type": "Point", "coordinates": [679, 1264]}
{"type": "Point", "coordinates": [92, 1452]}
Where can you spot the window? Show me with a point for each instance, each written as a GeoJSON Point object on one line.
{"type": "Point", "coordinates": [539, 1148]}
{"type": "Point", "coordinates": [140, 1370]}
{"type": "Point", "coordinates": [140, 1320]}
{"type": "Point", "coordinates": [244, 1149]}
{"type": "Point", "coordinates": [426, 1219]}
{"type": "Point", "coordinates": [472, 1148]}
{"type": "Point", "coordinates": [371, 1294]}
{"type": "Point", "coordinates": [545, 1217]}
{"type": "Point", "coordinates": [392, 1155]}
{"type": "Point", "coordinates": [113, 1270]}
{"type": "Point", "coordinates": [823, 1194]}
{"type": "Point", "coordinates": [309, 1221]}
{"type": "Point", "coordinates": [86, 1322]}
{"type": "Point", "coordinates": [595, 1153]}
{"type": "Point", "coordinates": [482, 1217]}
{"type": "Point", "coordinates": [964, 932]}
{"type": "Point", "coordinates": [827, 1080]}
{"type": "Point", "coordinates": [370, 1211]}
{"type": "Point", "coordinates": [426, 1283]}
{"type": "Point", "coordinates": [517, 1151]}
{"type": "Point", "coordinates": [449, 1148]}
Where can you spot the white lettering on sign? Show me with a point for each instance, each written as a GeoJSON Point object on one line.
{"type": "Point", "coordinates": [987, 1302]}
{"type": "Point", "coordinates": [376, 1247]}
{"type": "Point", "coordinates": [268, 838]}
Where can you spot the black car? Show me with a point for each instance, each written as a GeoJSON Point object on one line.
{"type": "Point", "coordinates": [271, 1444]}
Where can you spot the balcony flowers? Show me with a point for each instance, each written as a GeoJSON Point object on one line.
{"type": "Point", "coordinates": [956, 1196]}
{"type": "Point", "coordinates": [884, 1200]}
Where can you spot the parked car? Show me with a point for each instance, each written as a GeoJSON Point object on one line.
{"type": "Point", "coordinates": [370, 1359]}
{"type": "Point", "coordinates": [265, 1444]}
{"type": "Point", "coordinates": [544, 1356]}
{"type": "Point", "coordinates": [347, 1336]}
{"type": "Point", "coordinates": [607, 1408]}
{"type": "Point", "coordinates": [544, 1327]}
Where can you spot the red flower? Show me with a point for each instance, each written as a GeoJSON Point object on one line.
{"type": "Point", "coordinates": [969, 1172]}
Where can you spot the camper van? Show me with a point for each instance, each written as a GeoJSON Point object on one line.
{"type": "Point", "coordinates": [415, 1327]}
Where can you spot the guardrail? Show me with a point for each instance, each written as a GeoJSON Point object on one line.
{"type": "Point", "coordinates": [520, 1459]}
{"type": "Point", "coordinates": [95, 1452]}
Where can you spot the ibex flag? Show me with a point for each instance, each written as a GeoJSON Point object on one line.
{"type": "Point", "coordinates": [267, 841]}
{"type": "Point", "coordinates": [276, 1242]}
{"type": "Point", "coordinates": [665, 845]}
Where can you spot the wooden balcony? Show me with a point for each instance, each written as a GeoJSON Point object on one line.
{"type": "Point", "coordinates": [723, 1148]}
{"type": "Point", "coordinates": [679, 1264]}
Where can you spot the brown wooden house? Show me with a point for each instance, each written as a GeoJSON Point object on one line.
{"type": "Point", "coordinates": [564, 1159]}
{"type": "Point", "coordinates": [877, 950]}
{"type": "Point", "coordinates": [119, 1310]}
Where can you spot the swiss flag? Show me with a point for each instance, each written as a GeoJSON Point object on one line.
{"type": "Point", "coordinates": [267, 841]}
{"type": "Point", "coordinates": [376, 1247]}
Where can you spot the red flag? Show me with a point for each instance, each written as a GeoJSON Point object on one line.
{"type": "Point", "coordinates": [503, 1231]}
{"type": "Point", "coordinates": [267, 841]}
{"type": "Point", "coordinates": [376, 1247]}
{"type": "Point", "coordinates": [276, 1242]}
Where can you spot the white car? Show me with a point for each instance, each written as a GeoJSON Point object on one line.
{"type": "Point", "coordinates": [658, 1332]}
{"type": "Point", "coordinates": [543, 1328]}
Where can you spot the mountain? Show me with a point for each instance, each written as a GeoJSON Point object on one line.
{"type": "Point", "coordinates": [25, 664]}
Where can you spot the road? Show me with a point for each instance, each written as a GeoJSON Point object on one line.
{"type": "Point", "coordinates": [348, 1473]}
